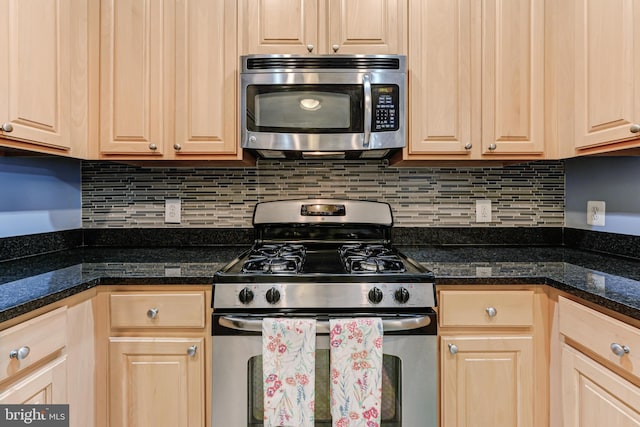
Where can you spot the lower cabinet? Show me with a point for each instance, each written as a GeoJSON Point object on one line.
{"type": "Point", "coordinates": [594, 396]}
{"type": "Point", "coordinates": [157, 357]}
{"type": "Point", "coordinates": [157, 382]}
{"type": "Point", "coordinates": [48, 384]}
{"type": "Point", "coordinates": [487, 381]}
{"type": "Point", "coordinates": [600, 369]}
{"type": "Point", "coordinates": [492, 365]}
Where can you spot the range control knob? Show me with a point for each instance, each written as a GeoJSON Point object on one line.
{"type": "Point", "coordinates": [402, 295]}
{"type": "Point", "coordinates": [246, 296]}
{"type": "Point", "coordinates": [273, 296]}
{"type": "Point", "coordinates": [375, 295]}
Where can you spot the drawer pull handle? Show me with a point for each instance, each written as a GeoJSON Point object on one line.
{"type": "Point", "coordinates": [6, 127]}
{"type": "Point", "coordinates": [491, 311]}
{"type": "Point", "coordinates": [20, 353]}
{"type": "Point", "coordinates": [453, 349]}
{"type": "Point", "coordinates": [152, 313]}
{"type": "Point", "coordinates": [191, 351]}
{"type": "Point", "coordinates": [620, 350]}
{"type": "Point", "coordinates": [635, 128]}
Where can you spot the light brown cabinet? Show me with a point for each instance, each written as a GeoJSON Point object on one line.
{"type": "Point", "coordinates": [607, 74]}
{"type": "Point", "coordinates": [476, 80]}
{"type": "Point", "coordinates": [600, 374]}
{"type": "Point", "coordinates": [489, 358]}
{"type": "Point", "coordinates": [34, 368]}
{"type": "Point", "coordinates": [43, 84]}
{"type": "Point", "coordinates": [306, 27]}
{"type": "Point", "coordinates": [157, 358]}
{"type": "Point", "coordinates": [168, 80]}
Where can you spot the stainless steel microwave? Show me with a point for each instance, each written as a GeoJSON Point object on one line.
{"type": "Point", "coordinates": [323, 106]}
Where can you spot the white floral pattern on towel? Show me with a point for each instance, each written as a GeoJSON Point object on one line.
{"type": "Point", "coordinates": [356, 372]}
{"type": "Point", "coordinates": [288, 366]}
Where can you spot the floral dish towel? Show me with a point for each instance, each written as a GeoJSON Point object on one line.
{"type": "Point", "coordinates": [288, 366]}
{"type": "Point", "coordinates": [356, 372]}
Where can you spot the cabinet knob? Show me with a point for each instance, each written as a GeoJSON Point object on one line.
{"type": "Point", "coordinates": [335, 47]}
{"type": "Point", "coordinates": [634, 128]}
{"type": "Point", "coordinates": [152, 313]}
{"type": "Point", "coordinates": [153, 147]}
{"type": "Point", "coordinates": [20, 353]}
{"type": "Point", "coordinates": [191, 351]}
{"type": "Point", "coordinates": [453, 349]}
{"type": "Point", "coordinates": [7, 127]}
{"type": "Point", "coordinates": [491, 311]}
{"type": "Point", "coordinates": [310, 48]}
{"type": "Point", "coordinates": [468, 146]}
{"type": "Point", "coordinates": [177, 147]}
{"type": "Point", "coordinates": [492, 147]}
{"type": "Point", "coordinates": [620, 350]}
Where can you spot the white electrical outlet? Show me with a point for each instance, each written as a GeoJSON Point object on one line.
{"type": "Point", "coordinates": [172, 209]}
{"type": "Point", "coordinates": [483, 210]}
{"type": "Point", "coordinates": [595, 213]}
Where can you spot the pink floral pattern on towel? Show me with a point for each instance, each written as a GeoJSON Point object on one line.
{"type": "Point", "coordinates": [356, 372]}
{"type": "Point", "coordinates": [288, 366]}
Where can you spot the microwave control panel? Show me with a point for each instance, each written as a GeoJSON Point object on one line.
{"type": "Point", "coordinates": [385, 108]}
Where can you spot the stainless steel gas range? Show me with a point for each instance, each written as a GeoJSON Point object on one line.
{"type": "Point", "coordinates": [325, 258]}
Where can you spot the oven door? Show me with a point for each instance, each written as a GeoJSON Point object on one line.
{"type": "Point", "coordinates": [409, 386]}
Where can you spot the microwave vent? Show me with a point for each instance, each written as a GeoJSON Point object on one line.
{"type": "Point", "coordinates": [323, 62]}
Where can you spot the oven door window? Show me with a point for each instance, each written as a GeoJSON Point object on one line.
{"type": "Point", "coordinates": [391, 389]}
{"type": "Point", "coordinates": [305, 108]}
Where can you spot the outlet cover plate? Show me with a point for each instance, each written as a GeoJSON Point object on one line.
{"type": "Point", "coordinates": [483, 210]}
{"type": "Point", "coordinates": [595, 213]}
{"type": "Point", "coordinates": [172, 209]}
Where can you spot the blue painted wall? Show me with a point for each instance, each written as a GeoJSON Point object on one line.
{"type": "Point", "coordinates": [614, 180]}
{"type": "Point", "coordinates": [39, 195]}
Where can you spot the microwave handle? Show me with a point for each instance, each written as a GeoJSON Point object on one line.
{"type": "Point", "coordinates": [366, 81]}
{"type": "Point", "coordinates": [322, 327]}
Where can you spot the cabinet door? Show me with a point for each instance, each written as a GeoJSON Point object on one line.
{"type": "Point", "coordinates": [486, 381]}
{"type": "Point", "coordinates": [593, 396]}
{"type": "Point", "coordinates": [46, 385]}
{"type": "Point", "coordinates": [366, 27]}
{"type": "Point", "coordinates": [607, 42]}
{"type": "Point", "coordinates": [155, 382]}
{"type": "Point", "coordinates": [279, 26]}
{"type": "Point", "coordinates": [441, 79]}
{"type": "Point", "coordinates": [513, 77]}
{"type": "Point", "coordinates": [35, 71]}
{"type": "Point", "coordinates": [206, 78]}
{"type": "Point", "coordinates": [136, 77]}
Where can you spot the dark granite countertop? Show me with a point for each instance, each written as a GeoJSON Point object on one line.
{"type": "Point", "coordinates": [30, 283]}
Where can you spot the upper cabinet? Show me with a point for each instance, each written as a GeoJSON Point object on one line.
{"type": "Point", "coordinates": [476, 80]}
{"type": "Point", "coordinates": [168, 80]}
{"type": "Point", "coordinates": [306, 27]}
{"type": "Point", "coordinates": [607, 74]}
{"type": "Point", "coordinates": [43, 84]}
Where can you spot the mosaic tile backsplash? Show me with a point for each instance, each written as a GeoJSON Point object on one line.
{"type": "Point", "coordinates": [123, 196]}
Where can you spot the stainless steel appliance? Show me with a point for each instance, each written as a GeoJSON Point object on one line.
{"type": "Point", "coordinates": [324, 258]}
{"type": "Point", "coordinates": [338, 106]}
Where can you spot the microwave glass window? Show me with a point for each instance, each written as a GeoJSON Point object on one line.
{"type": "Point", "coordinates": [304, 108]}
{"type": "Point", "coordinates": [391, 399]}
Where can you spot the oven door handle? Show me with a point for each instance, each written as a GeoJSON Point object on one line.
{"type": "Point", "coordinates": [322, 327]}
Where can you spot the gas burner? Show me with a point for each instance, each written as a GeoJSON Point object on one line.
{"type": "Point", "coordinates": [379, 264]}
{"type": "Point", "coordinates": [275, 258]}
{"type": "Point", "coordinates": [364, 250]}
{"type": "Point", "coordinates": [370, 258]}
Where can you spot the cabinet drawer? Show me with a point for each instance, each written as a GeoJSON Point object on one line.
{"type": "Point", "coordinates": [486, 308]}
{"type": "Point", "coordinates": [158, 310]}
{"type": "Point", "coordinates": [37, 338]}
{"type": "Point", "coordinates": [597, 332]}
